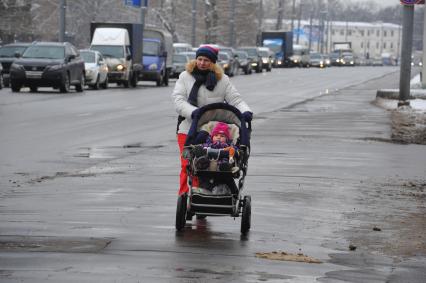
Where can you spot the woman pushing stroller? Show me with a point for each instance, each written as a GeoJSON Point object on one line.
{"type": "Point", "coordinates": [203, 82]}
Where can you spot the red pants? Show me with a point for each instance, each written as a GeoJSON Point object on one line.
{"type": "Point", "coordinates": [183, 186]}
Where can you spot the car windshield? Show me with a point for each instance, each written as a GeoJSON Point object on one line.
{"type": "Point", "coordinates": [9, 51]}
{"type": "Point", "coordinates": [88, 57]}
{"type": "Point", "coordinates": [48, 52]}
{"type": "Point", "coordinates": [109, 50]}
{"type": "Point", "coordinates": [264, 53]}
{"type": "Point", "coordinates": [251, 52]}
{"type": "Point", "coordinates": [315, 56]}
{"type": "Point", "coordinates": [151, 48]}
{"type": "Point", "coordinates": [223, 57]}
{"type": "Point", "coordinates": [179, 59]}
{"type": "Point", "coordinates": [191, 55]}
{"type": "Point", "coordinates": [242, 55]}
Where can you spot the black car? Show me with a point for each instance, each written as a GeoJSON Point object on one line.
{"type": "Point", "coordinates": [8, 54]}
{"type": "Point", "coordinates": [244, 61]}
{"type": "Point", "coordinates": [254, 55]}
{"type": "Point", "coordinates": [48, 64]}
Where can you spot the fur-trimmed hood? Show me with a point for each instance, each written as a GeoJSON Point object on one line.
{"type": "Point", "coordinates": [214, 67]}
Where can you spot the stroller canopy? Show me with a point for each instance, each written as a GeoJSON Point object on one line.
{"type": "Point", "coordinates": [221, 112]}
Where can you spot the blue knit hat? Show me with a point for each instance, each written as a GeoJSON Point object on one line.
{"type": "Point", "coordinates": [207, 51]}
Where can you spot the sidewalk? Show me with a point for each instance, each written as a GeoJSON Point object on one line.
{"type": "Point", "coordinates": [408, 122]}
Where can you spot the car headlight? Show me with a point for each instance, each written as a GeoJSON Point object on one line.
{"type": "Point", "coordinates": [254, 64]}
{"type": "Point", "coordinates": [265, 61]}
{"type": "Point", "coordinates": [420, 64]}
{"type": "Point", "coordinates": [279, 62]}
{"type": "Point", "coordinates": [295, 61]}
{"type": "Point", "coordinates": [321, 62]}
{"type": "Point", "coordinates": [120, 68]}
{"type": "Point", "coordinates": [16, 66]}
{"type": "Point", "coordinates": [152, 67]}
{"type": "Point", "coordinates": [55, 67]}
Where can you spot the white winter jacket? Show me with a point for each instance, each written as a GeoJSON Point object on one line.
{"type": "Point", "coordinates": [223, 92]}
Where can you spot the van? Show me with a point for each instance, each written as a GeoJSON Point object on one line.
{"type": "Point", "coordinates": [179, 47]}
{"type": "Point", "coordinates": [121, 46]}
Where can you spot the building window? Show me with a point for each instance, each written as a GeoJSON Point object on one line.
{"type": "Point", "coordinates": [368, 45]}
{"type": "Point", "coordinates": [385, 33]}
{"type": "Point", "coordinates": [378, 33]}
{"type": "Point", "coordinates": [392, 33]}
{"type": "Point", "coordinates": [333, 32]}
{"type": "Point", "coordinates": [377, 45]}
{"type": "Point", "coordinates": [349, 32]}
{"type": "Point", "coordinates": [384, 45]}
{"type": "Point", "coordinates": [362, 44]}
{"type": "Point", "coordinates": [391, 45]}
{"type": "Point", "coordinates": [361, 32]}
{"type": "Point", "coordinates": [342, 32]}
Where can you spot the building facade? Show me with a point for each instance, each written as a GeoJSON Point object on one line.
{"type": "Point", "coordinates": [368, 40]}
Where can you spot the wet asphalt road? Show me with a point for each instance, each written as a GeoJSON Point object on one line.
{"type": "Point", "coordinates": [88, 187]}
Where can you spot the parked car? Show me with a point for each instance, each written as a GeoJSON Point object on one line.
{"type": "Point", "coordinates": [48, 64]}
{"type": "Point", "coordinates": [244, 61]}
{"type": "Point", "coordinates": [96, 69]}
{"type": "Point", "coordinates": [256, 59]}
{"type": "Point", "coordinates": [317, 60]}
{"type": "Point", "coordinates": [7, 56]}
{"type": "Point", "coordinates": [233, 62]}
{"type": "Point", "coordinates": [179, 64]}
{"type": "Point", "coordinates": [265, 53]}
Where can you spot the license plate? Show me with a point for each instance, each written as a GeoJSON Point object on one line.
{"type": "Point", "coordinates": [33, 74]}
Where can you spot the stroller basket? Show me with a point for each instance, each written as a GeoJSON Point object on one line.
{"type": "Point", "coordinates": [213, 204]}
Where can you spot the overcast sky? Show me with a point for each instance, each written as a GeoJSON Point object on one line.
{"type": "Point", "coordinates": [382, 3]}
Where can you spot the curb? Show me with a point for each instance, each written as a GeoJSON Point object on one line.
{"type": "Point", "coordinates": [394, 94]}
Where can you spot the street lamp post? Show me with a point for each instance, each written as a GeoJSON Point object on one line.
{"type": "Point", "coordinates": [194, 21]}
{"type": "Point", "coordinates": [298, 21]}
{"type": "Point", "coordinates": [62, 23]}
{"type": "Point", "coordinates": [407, 44]}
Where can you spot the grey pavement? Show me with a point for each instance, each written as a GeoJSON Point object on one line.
{"type": "Point", "coordinates": [324, 175]}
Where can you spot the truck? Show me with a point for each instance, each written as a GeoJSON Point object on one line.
{"type": "Point", "coordinates": [342, 46]}
{"type": "Point", "coordinates": [281, 43]}
{"type": "Point", "coordinates": [342, 54]}
{"type": "Point", "coordinates": [121, 45]}
{"type": "Point", "coordinates": [157, 55]}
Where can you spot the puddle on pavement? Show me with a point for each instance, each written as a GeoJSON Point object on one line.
{"type": "Point", "coordinates": [110, 152]}
{"type": "Point", "coordinates": [52, 244]}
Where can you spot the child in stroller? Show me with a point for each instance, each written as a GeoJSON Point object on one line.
{"type": "Point", "coordinates": [215, 189]}
{"type": "Point", "coordinates": [220, 138]}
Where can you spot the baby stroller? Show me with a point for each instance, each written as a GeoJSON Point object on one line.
{"type": "Point", "coordinates": [212, 191]}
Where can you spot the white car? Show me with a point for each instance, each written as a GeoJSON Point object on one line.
{"type": "Point", "coordinates": [96, 73]}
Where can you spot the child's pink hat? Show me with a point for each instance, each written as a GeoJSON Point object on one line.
{"type": "Point", "coordinates": [221, 128]}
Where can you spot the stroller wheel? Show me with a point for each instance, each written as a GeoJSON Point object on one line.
{"type": "Point", "coordinates": [246, 215]}
{"type": "Point", "coordinates": [181, 212]}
